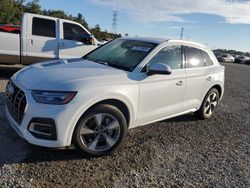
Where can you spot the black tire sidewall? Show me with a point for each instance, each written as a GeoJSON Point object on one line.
{"type": "Point", "coordinates": [108, 109]}
{"type": "Point", "coordinates": [201, 110]}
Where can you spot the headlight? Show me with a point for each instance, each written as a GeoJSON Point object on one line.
{"type": "Point", "coordinates": [53, 97]}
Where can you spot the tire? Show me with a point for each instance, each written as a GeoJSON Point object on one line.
{"type": "Point", "coordinates": [209, 104]}
{"type": "Point", "coordinates": [101, 130]}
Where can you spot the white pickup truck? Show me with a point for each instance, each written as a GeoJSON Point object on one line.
{"type": "Point", "coordinates": [43, 37]}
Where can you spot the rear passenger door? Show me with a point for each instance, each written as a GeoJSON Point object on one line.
{"type": "Point", "coordinates": [198, 66]}
{"type": "Point", "coordinates": [41, 41]}
{"type": "Point", "coordinates": [72, 40]}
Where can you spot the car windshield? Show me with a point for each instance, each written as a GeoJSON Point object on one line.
{"type": "Point", "coordinates": [123, 54]}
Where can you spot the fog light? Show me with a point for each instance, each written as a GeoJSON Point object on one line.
{"type": "Point", "coordinates": [43, 128]}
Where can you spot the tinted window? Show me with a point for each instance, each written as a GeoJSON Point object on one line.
{"type": "Point", "coordinates": [170, 55]}
{"type": "Point", "coordinates": [44, 27]}
{"type": "Point", "coordinates": [207, 59]}
{"type": "Point", "coordinates": [194, 57]}
{"type": "Point", "coordinates": [74, 32]}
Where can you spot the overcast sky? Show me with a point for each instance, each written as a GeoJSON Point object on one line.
{"type": "Point", "coordinates": [216, 23]}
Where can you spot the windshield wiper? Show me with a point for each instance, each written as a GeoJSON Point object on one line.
{"type": "Point", "coordinates": [96, 60]}
{"type": "Point", "coordinates": [112, 64]}
{"type": "Point", "coordinates": [102, 62]}
{"type": "Point", "coordinates": [115, 65]}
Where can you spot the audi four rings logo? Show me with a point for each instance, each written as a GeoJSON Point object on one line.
{"type": "Point", "coordinates": [9, 89]}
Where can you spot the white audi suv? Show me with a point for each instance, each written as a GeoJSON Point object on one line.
{"type": "Point", "coordinates": [129, 82]}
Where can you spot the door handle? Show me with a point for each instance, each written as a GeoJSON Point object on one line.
{"type": "Point", "coordinates": [79, 43]}
{"type": "Point", "coordinates": [209, 78]}
{"type": "Point", "coordinates": [179, 83]}
{"type": "Point", "coordinates": [31, 41]}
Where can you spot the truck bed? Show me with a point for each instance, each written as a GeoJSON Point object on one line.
{"type": "Point", "coordinates": [9, 48]}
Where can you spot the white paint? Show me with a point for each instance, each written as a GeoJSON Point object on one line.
{"type": "Point", "coordinates": [148, 98]}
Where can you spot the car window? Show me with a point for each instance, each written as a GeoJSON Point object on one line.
{"type": "Point", "coordinates": [43, 27]}
{"type": "Point", "coordinates": [121, 53]}
{"type": "Point", "coordinates": [207, 59]}
{"type": "Point", "coordinates": [170, 55]}
{"type": "Point", "coordinates": [74, 32]}
{"type": "Point", "coordinates": [194, 57]}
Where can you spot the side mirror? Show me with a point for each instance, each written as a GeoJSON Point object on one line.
{"type": "Point", "coordinates": [159, 68]}
{"type": "Point", "coordinates": [89, 40]}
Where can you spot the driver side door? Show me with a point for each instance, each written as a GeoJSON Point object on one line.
{"type": "Point", "coordinates": [71, 43]}
{"type": "Point", "coordinates": [161, 95]}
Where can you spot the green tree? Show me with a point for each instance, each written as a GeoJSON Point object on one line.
{"type": "Point", "coordinates": [81, 20]}
{"type": "Point", "coordinates": [33, 7]}
{"type": "Point", "coordinates": [18, 4]}
{"type": "Point", "coordinates": [7, 12]}
{"type": "Point", "coordinates": [56, 13]}
{"type": "Point", "coordinates": [96, 31]}
{"type": "Point", "coordinates": [232, 52]}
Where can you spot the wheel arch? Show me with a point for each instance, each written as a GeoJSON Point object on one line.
{"type": "Point", "coordinates": [121, 103]}
{"type": "Point", "coordinates": [118, 104]}
{"type": "Point", "coordinates": [216, 86]}
{"type": "Point", "coordinates": [219, 88]}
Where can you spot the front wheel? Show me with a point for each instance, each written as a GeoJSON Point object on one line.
{"type": "Point", "coordinates": [209, 104]}
{"type": "Point", "coordinates": [101, 130]}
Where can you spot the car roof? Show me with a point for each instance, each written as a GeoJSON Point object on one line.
{"type": "Point", "coordinates": [188, 43]}
{"type": "Point", "coordinates": [147, 39]}
{"type": "Point", "coordinates": [162, 40]}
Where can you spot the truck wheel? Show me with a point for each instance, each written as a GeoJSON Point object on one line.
{"type": "Point", "coordinates": [209, 104]}
{"type": "Point", "coordinates": [101, 130]}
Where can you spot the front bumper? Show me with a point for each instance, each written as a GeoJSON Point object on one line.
{"type": "Point", "coordinates": [22, 131]}
{"type": "Point", "coordinates": [63, 116]}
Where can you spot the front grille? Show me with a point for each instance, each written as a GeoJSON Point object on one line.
{"type": "Point", "coordinates": [16, 101]}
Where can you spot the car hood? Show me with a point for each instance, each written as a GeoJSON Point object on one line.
{"type": "Point", "coordinates": [68, 75]}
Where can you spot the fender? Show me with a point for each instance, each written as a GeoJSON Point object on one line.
{"type": "Point", "coordinates": [94, 101]}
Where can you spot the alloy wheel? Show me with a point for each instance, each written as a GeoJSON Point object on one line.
{"type": "Point", "coordinates": [210, 104]}
{"type": "Point", "coordinates": [100, 132]}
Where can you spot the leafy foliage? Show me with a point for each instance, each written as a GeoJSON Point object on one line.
{"type": "Point", "coordinates": [33, 7]}
{"type": "Point", "coordinates": [11, 12]}
{"type": "Point", "coordinates": [103, 35]}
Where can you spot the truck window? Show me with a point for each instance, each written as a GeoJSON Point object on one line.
{"type": "Point", "coordinates": [44, 27]}
{"type": "Point", "coordinates": [74, 32]}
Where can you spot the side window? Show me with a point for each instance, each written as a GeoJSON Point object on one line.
{"type": "Point", "coordinates": [170, 55]}
{"type": "Point", "coordinates": [74, 32]}
{"type": "Point", "coordinates": [194, 57]}
{"type": "Point", "coordinates": [207, 59]}
{"type": "Point", "coordinates": [43, 27]}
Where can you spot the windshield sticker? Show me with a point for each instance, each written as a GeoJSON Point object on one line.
{"type": "Point", "coordinates": [141, 48]}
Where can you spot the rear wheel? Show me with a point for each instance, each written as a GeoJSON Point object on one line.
{"type": "Point", "coordinates": [209, 104]}
{"type": "Point", "coordinates": [101, 131]}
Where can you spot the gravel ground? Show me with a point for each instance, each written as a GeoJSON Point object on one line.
{"type": "Point", "coordinates": [180, 152]}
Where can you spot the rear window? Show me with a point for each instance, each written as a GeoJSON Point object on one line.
{"type": "Point", "coordinates": [44, 27]}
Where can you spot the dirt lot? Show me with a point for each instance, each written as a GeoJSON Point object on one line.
{"type": "Point", "coordinates": [180, 152]}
